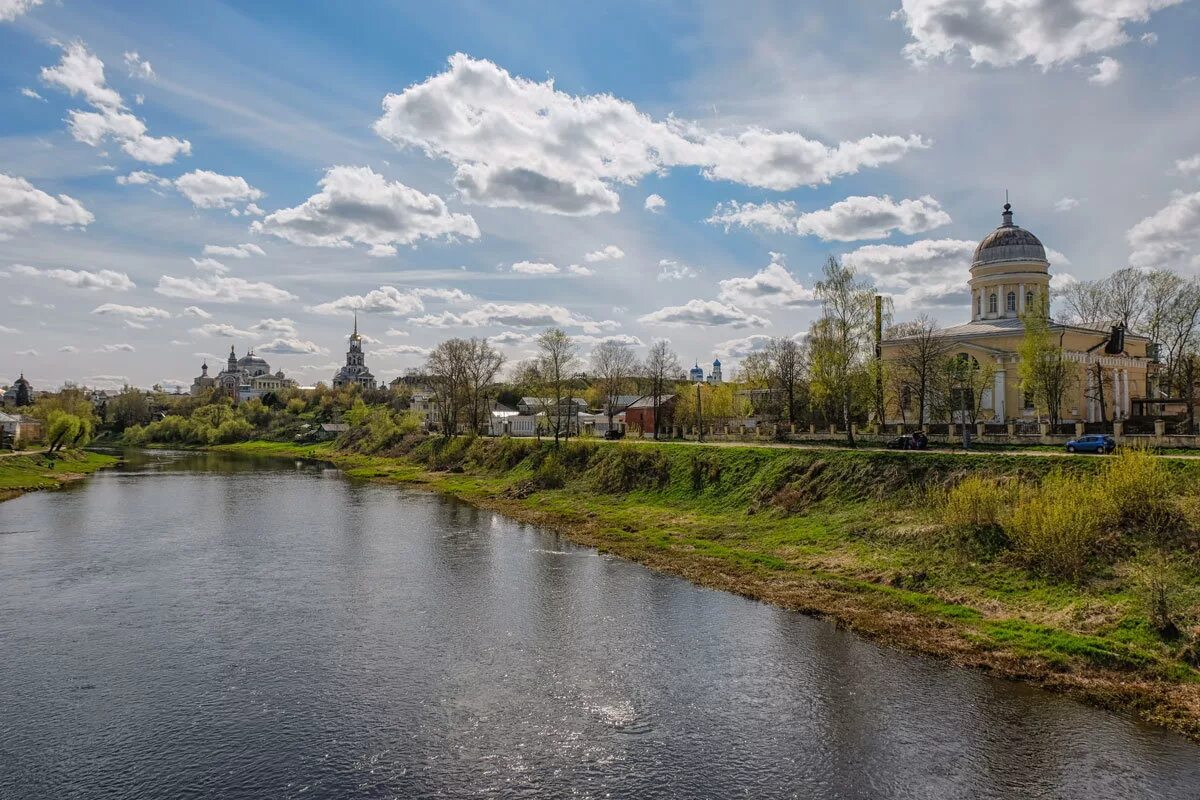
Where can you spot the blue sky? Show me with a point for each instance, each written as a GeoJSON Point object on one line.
{"type": "Point", "coordinates": [178, 178]}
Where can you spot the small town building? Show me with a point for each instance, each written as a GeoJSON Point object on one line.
{"type": "Point", "coordinates": [19, 394]}
{"type": "Point", "coordinates": [646, 411]}
{"type": "Point", "coordinates": [696, 373]}
{"type": "Point", "coordinates": [355, 372]}
{"type": "Point", "coordinates": [242, 379]}
{"type": "Point", "coordinates": [16, 428]}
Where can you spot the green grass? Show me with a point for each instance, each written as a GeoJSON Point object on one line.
{"type": "Point", "coordinates": [22, 473]}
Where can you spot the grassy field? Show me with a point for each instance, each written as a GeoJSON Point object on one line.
{"type": "Point", "coordinates": [856, 537]}
{"type": "Point", "coordinates": [23, 473]}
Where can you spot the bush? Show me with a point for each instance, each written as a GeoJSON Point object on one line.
{"type": "Point", "coordinates": [550, 474]}
{"type": "Point", "coordinates": [1057, 527]}
{"type": "Point", "coordinates": [977, 507]}
{"type": "Point", "coordinates": [1163, 592]}
{"type": "Point", "coordinates": [1142, 490]}
{"type": "Point", "coordinates": [623, 468]}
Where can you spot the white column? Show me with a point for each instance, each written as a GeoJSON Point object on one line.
{"type": "Point", "coordinates": [998, 395]}
{"type": "Point", "coordinates": [1116, 393]}
{"type": "Point", "coordinates": [1021, 298]}
{"type": "Point", "coordinates": [1125, 404]}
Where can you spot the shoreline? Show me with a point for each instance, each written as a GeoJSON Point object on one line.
{"type": "Point", "coordinates": [1099, 670]}
{"type": "Point", "coordinates": [21, 473]}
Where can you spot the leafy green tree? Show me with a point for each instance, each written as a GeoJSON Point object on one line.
{"type": "Point", "coordinates": [840, 343]}
{"type": "Point", "coordinates": [1043, 369]}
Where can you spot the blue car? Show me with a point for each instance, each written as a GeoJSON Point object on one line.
{"type": "Point", "coordinates": [1092, 443]}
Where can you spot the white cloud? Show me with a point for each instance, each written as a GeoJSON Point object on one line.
{"type": "Point", "coordinates": [396, 332]}
{"type": "Point", "coordinates": [400, 350]}
{"type": "Point", "coordinates": [608, 253]}
{"type": "Point", "coordinates": [78, 278]}
{"type": "Point", "coordinates": [512, 339]}
{"type": "Point", "coordinates": [8, 330]}
{"type": "Point", "coordinates": [1107, 70]}
{"type": "Point", "coordinates": [1170, 237]}
{"type": "Point", "coordinates": [705, 313]}
{"type": "Point", "coordinates": [234, 251]}
{"type": "Point", "coordinates": [845, 221]}
{"type": "Point", "coordinates": [514, 315]}
{"type": "Point", "coordinates": [138, 67]}
{"type": "Point", "coordinates": [1149, 39]}
{"type": "Point", "coordinates": [1066, 204]}
{"type": "Point", "coordinates": [209, 265]}
{"type": "Point", "coordinates": [579, 269]}
{"type": "Point", "coordinates": [142, 178]}
{"type": "Point", "coordinates": [534, 268]}
{"type": "Point", "coordinates": [654, 203]}
{"type": "Point", "coordinates": [772, 286]}
{"type": "Point", "coordinates": [207, 189]}
{"type": "Point", "coordinates": [1005, 32]}
{"type": "Point", "coordinates": [136, 313]}
{"type": "Point", "coordinates": [222, 329]}
{"type": "Point", "coordinates": [282, 326]}
{"type": "Point", "coordinates": [740, 348]}
{"type": "Point", "coordinates": [1189, 166]}
{"type": "Point", "coordinates": [925, 272]}
{"type": "Point", "coordinates": [251, 210]}
{"type": "Point", "coordinates": [445, 295]}
{"type": "Point", "coordinates": [520, 143]}
{"type": "Point", "coordinates": [290, 346]}
{"type": "Point", "coordinates": [116, 348]}
{"type": "Point", "coordinates": [68, 348]}
{"type": "Point", "coordinates": [30, 353]}
{"type": "Point", "coordinates": [197, 311]}
{"type": "Point", "coordinates": [22, 206]}
{"type": "Point", "coordinates": [30, 93]}
{"type": "Point", "coordinates": [11, 9]}
{"type": "Point", "coordinates": [358, 206]}
{"type": "Point", "coordinates": [79, 72]}
{"type": "Point", "coordinates": [222, 289]}
{"type": "Point", "coordinates": [384, 300]}
{"type": "Point", "coordinates": [669, 270]}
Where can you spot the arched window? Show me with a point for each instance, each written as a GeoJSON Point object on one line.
{"type": "Point", "coordinates": [992, 303]}
{"type": "Point", "coordinates": [978, 305]}
{"type": "Point", "coordinates": [1011, 301]}
{"type": "Point", "coordinates": [1028, 300]}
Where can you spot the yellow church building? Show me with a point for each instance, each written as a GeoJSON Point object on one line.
{"type": "Point", "coordinates": [1008, 272]}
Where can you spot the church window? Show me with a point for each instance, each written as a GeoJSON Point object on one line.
{"type": "Point", "coordinates": [1029, 400]}
{"type": "Point", "coordinates": [1028, 300]}
{"type": "Point", "coordinates": [992, 307]}
{"type": "Point", "coordinates": [1011, 301]}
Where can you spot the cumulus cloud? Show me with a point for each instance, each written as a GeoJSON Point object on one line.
{"type": "Point", "coordinates": [143, 178]}
{"type": "Point", "coordinates": [845, 221]}
{"type": "Point", "coordinates": [222, 329]}
{"type": "Point", "coordinates": [400, 350]}
{"type": "Point", "coordinates": [282, 326]}
{"type": "Point", "coordinates": [1005, 32]}
{"type": "Point", "coordinates": [654, 203]}
{"type": "Point", "coordinates": [1170, 237]}
{"type": "Point", "coordinates": [740, 348]}
{"type": "Point", "coordinates": [925, 272]}
{"type": "Point", "coordinates": [1107, 70]}
{"type": "Point", "coordinates": [116, 348]}
{"type": "Point", "coordinates": [67, 348]}
{"type": "Point", "coordinates": [197, 311]}
{"type": "Point", "coordinates": [520, 143]}
{"type": "Point", "coordinates": [290, 346]}
{"type": "Point", "coordinates": [356, 205]}
{"type": "Point", "coordinates": [1066, 204]}
{"type": "Point", "coordinates": [207, 189]}
{"type": "Point", "coordinates": [709, 313]}
{"type": "Point", "coordinates": [1189, 166]}
{"type": "Point", "coordinates": [608, 253]}
{"type": "Point", "coordinates": [32, 95]}
{"type": "Point", "coordinates": [384, 300]}
{"type": "Point", "coordinates": [771, 287]}
{"type": "Point", "coordinates": [233, 251]}
{"type": "Point", "coordinates": [79, 72]}
{"type": "Point", "coordinates": [22, 206]}
{"type": "Point", "coordinates": [670, 270]}
{"type": "Point", "coordinates": [534, 268]}
{"type": "Point", "coordinates": [78, 278]}
{"type": "Point", "coordinates": [11, 9]}
{"type": "Point", "coordinates": [138, 67]}
{"type": "Point", "coordinates": [209, 265]}
{"type": "Point", "coordinates": [579, 269]}
{"type": "Point", "coordinates": [513, 315]}
{"type": "Point", "coordinates": [136, 313]}
{"type": "Point", "coordinates": [222, 289]}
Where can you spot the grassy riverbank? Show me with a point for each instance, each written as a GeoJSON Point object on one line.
{"type": "Point", "coordinates": [20, 473]}
{"type": "Point", "coordinates": [860, 538]}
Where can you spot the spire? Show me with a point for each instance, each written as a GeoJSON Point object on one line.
{"type": "Point", "coordinates": [355, 324]}
{"type": "Point", "coordinates": [1007, 215]}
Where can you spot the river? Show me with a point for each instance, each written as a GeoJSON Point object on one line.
{"type": "Point", "coordinates": [213, 626]}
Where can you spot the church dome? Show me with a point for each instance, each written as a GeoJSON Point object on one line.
{"type": "Point", "coordinates": [251, 360]}
{"type": "Point", "coordinates": [1009, 242]}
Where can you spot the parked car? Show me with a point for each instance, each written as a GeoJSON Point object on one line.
{"type": "Point", "coordinates": [614, 433]}
{"type": "Point", "coordinates": [1092, 443]}
{"type": "Point", "coordinates": [909, 441]}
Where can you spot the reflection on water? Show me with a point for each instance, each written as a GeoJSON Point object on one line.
{"type": "Point", "coordinates": [208, 625]}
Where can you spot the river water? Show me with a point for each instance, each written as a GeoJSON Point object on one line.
{"type": "Point", "coordinates": [199, 625]}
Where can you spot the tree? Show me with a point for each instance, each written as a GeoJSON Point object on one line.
{"type": "Point", "coordinates": [64, 428]}
{"type": "Point", "coordinates": [1045, 373]}
{"type": "Point", "coordinates": [447, 370]}
{"type": "Point", "coordinates": [660, 372]}
{"type": "Point", "coordinates": [841, 340]}
{"type": "Point", "coordinates": [920, 360]}
{"type": "Point", "coordinates": [1125, 298]}
{"type": "Point", "coordinates": [130, 407]}
{"type": "Point", "coordinates": [1086, 303]}
{"type": "Point", "coordinates": [613, 366]}
{"type": "Point", "coordinates": [556, 364]}
{"type": "Point", "coordinates": [483, 363]}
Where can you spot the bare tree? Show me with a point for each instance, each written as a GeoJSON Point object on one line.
{"type": "Point", "coordinates": [447, 369]}
{"type": "Point", "coordinates": [613, 365]}
{"type": "Point", "coordinates": [788, 367]}
{"type": "Point", "coordinates": [841, 341]}
{"type": "Point", "coordinates": [660, 371]}
{"type": "Point", "coordinates": [920, 359]}
{"type": "Point", "coordinates": [483, 363]}
{"type": "Point", "coordinates": [1086, 303]}
{"type": "Point", "coordinates": [556, 363]}
{"type": "Point", "coordinates": [1125, 298]}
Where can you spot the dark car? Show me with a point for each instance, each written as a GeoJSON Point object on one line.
{"type": "Point", "coordinates": [1092, 443]}
{"type": "Point", "coordinates": [614, 433]}
{"type": "Point", "coordinates": [909, 441]}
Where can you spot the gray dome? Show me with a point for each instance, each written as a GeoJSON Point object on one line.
{"type": "Point", "coordinates": [251, 360]}
{"type": "Point", "coordinates": [1009, 242]}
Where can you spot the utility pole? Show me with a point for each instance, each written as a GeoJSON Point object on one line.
{"type": "Point", "coordinates": [699, 414]}
{"type": "Point", "coordinates": [879, 410]}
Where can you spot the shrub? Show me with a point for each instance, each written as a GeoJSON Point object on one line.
{"type": "Point", "coordinates": [1163, 592]}
{"type": "Point", "coordinates": [550, 474]}
{"type": "Point", "coordinates": [975, 508]}
{"type": "Point", "coordinates": [1057, 527]}
{"type": "Point", "coordinates": [1142, 491]}
{"type": "Point", "coordinates": [623, 468]}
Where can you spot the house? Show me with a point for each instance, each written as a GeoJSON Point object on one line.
{"type": "Point", "coordinates": [545, 405]}
{"type": "Point", "coordinates": [19, 427]}
{"type": "Point", "coordinates": [647, 412]}
{"type": "Point", "coordinates": [332, 430]}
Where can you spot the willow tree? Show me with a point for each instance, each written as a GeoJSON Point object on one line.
{"type": "Point", "coordinates": [840, 344]}
{"type": "Point", "coordinates": [1045, 374]}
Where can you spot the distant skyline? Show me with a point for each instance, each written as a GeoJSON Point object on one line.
{"type": "Point", "coordinates": [177, 178]}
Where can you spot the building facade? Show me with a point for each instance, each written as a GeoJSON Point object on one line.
{"type": "Point", "coordinates": [1010, 276]}
{"type": "Point", "coordinates": [242, 379]}
{"type": "Point", "coordinates": [355, 372]}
